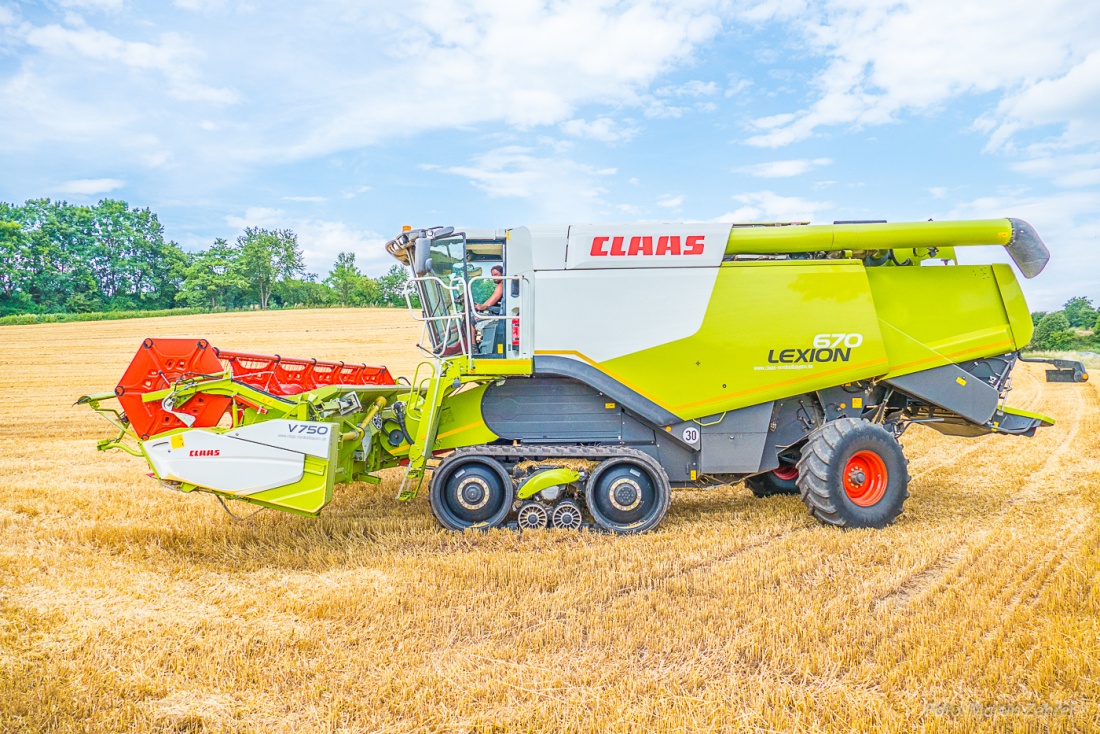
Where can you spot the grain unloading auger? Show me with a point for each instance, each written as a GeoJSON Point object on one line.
{"type": "Point", "coordinates": [579, 373]}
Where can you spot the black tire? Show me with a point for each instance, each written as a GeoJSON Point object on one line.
{"type": "Point", "coordinates": [628, 494]}
{"type": "Point", "coordinates": [770, 483]}
{"type": "Point", "coordinates": [471, 492]}
{"type": "Point", "coordinates": [877, 475]}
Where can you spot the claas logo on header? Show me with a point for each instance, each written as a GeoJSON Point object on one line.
{"type": "Point", "coordinates": [645, 245]}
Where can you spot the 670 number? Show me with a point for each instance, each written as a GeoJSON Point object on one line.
{"type": "Point", "coordinates": [832, 341]}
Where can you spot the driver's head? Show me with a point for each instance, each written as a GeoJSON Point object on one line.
{"type": "Point", "coordinates": [497, 271]}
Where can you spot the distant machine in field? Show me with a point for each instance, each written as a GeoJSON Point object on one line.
{"type": "Point", "coordinates": [579, 373]}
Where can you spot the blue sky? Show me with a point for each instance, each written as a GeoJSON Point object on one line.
{"type": "Point", "coordinates": [345, 120]}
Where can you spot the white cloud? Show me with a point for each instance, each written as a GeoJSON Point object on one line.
{"type": "Point", "coordinates": [1074, 170]}
{"type": "Point", "coordinates": [885, 58]}
{"type": "Point", "coordinates": [1072, 100]}
{"type": "Point", "coordinates": [201, 6]}
{"type": "Point", "coordinates": [320, 80]}
{"type": "Point", "coordinates": [767, 206]}
{"type": "Point", "coordinates": [560, 189]}
{"type": "Point", "coordinates": [1068, 224]}
{"type": "Point", "coordinates": [694, 88]}
{"type": "Point", "coordinates": [91, 186]}
{"type": "Point", "coordinates": [736, 86]}
{"type": "Point", "coordinates": [321, 240]}
{"type": "Point", "coordinates": [171, 57]}
{"type": "Point", "coordinates": [671, 202]}
{"type": "Point", "coordinates": [306, 199]}
{"type": "Point", "coordinates": [110, 5]}
{"type": "Point", "coordinates": [784, 169]}
{"type": "Point", "coordinates": [524, 64]}
{"type": "Point", "coordinates": [603, 129]}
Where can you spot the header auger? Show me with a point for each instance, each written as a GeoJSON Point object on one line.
{"type": "Point", "coordinates": [580, 373]}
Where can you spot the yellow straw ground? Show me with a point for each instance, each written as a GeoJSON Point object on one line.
{"type": "Point", "coordinates": [127, 607]}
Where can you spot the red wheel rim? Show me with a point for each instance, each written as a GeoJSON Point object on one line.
{"type": "Point", "coordinates": [865, 478]}
{"type": "Point", "coordinates": [786, 472]}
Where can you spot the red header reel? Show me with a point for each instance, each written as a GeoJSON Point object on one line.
{"type": "Point", "coordinates": [159, 363]}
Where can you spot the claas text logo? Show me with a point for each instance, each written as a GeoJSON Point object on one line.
{"type": "Point", "coordinates": [647, 245]}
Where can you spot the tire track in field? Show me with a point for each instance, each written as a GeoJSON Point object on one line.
{"type": "Point", "coordinates": [652, 582]}
{"type": "Point", "coordinates": [951, 556]}
{"type": "Point", "coordinates": [1084, 411]}
{"type": "Point", "coordinates": [928, 576]}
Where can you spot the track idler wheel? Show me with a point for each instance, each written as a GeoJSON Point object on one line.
{"type": "Point", "coordinates": [628, 494]}
{"type": "Point", "coordinates": [471, 492]}
{"type": "Point", "coordinates": [853, 474]}
{"type": "Point", "coordinates": [532, 516]}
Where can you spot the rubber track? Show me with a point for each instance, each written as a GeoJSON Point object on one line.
{"type": "Point", "coordinates": [813, 469]}
{"type": "Point", "coordinates": [541, 453]}
{"type": "Point", "coordinates": [549, 453]}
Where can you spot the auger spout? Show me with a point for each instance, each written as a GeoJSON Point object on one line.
{"type": "Point", "coordinates": [1015, 235]}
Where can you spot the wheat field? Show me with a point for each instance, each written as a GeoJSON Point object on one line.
{"type": "Point", "coordinates": [127, 607]}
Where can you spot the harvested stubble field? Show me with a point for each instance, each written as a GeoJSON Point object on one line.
{"type": "Point", "coordinates": [127, 607]}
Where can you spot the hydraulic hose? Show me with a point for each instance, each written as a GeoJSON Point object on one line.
{"type": "Point", "coordinates": [360, 430]}
{"type": "Point", "coordinates": [399, 416]}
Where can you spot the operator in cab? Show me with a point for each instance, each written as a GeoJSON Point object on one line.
{"type": "Point", "coordinates": [498, 292]}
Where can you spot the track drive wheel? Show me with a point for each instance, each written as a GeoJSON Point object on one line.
{"type": "Point", "coordinates": [628, 494]}
{"type": "Point", "coordinates": [783, 480]}
{"type": "Point", "coordinates": [853, 474]}
{"type": "Point", "coordinates": [471, 492]}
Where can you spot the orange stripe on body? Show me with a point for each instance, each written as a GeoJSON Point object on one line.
{"type": "Point", "coordinates": [792, 381]}
{"type": "Point", "coordinates": [453, 431]}
{"type": "Point", "coordinates": [949, 355]}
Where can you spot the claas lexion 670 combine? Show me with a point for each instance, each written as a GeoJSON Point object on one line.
{"type": "Point", "coordinates": [600, 366]}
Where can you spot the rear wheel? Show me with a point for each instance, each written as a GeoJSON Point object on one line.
{"type": "Point", "coordinates": [628, 494]}
{"type": "Point", "coordinates": [471, 492]}
{"type": "Point", "coordinates": [853, 474]}
{"type": "Point", "coordinates": [783, 480]}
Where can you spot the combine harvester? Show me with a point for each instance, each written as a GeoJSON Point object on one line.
{"type": "Point", "coordinates": [613, 363]}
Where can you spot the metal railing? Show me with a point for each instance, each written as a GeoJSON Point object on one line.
{"type": "Point", "coordinates": [449, 317]}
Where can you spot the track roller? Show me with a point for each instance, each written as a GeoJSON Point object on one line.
{"type": "Point", "coordinates": [532, 516]}
{"type": "Point", "coordinates": [566, 515]}
{"type": "Point", "coordinates": [628, 494]}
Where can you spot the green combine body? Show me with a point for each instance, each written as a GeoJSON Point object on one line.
{"type": "Point", "coordinates": [602, 365]}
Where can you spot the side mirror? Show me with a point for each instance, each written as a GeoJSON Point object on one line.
{"type": "Point", "coordinates": [422, 250]}
{"type": "Point", "coordinates": [422, 256]}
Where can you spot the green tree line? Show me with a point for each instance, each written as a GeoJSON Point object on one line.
{"type": "Point", "coordinates": [60, 258]}
{"type": "Point", "coordinates": [1076, 327]}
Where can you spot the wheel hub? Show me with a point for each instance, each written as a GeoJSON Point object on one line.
{"type": "Point", "coordinates": [625, 494]}
{"type": "Point", "coordinates": [865, 478]}
{"type": "Point", "coordinates": [473, 494]}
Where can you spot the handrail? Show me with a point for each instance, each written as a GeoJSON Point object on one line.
{"type": "Point", "coordinates": [463, 317]}
{"type": "Point", "coordinates": [453, 316]}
